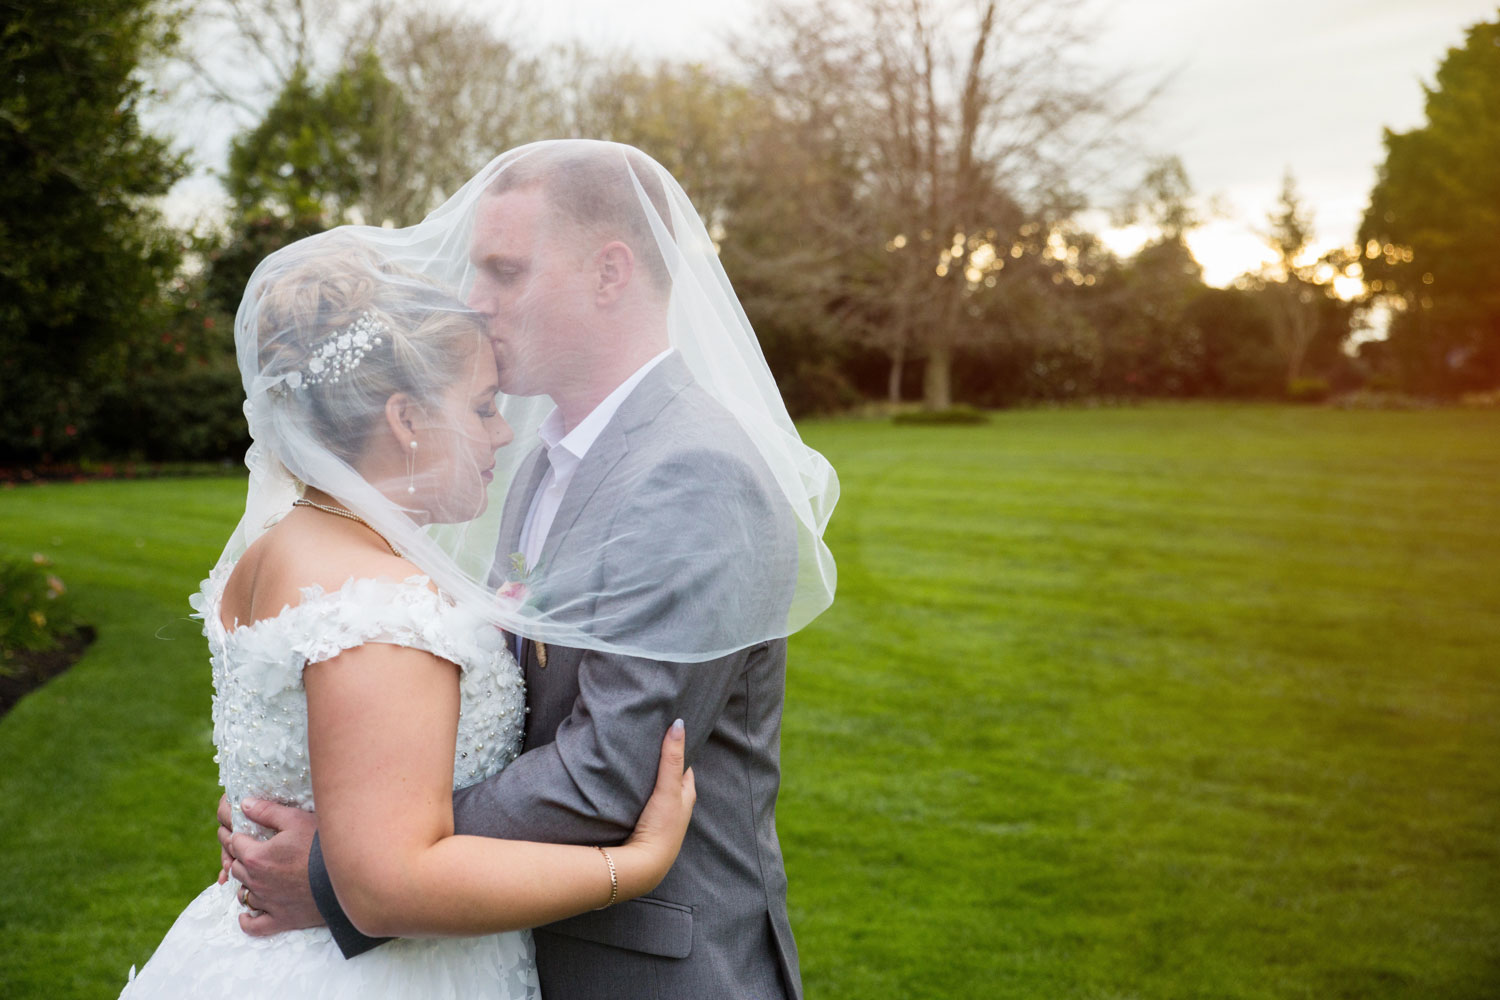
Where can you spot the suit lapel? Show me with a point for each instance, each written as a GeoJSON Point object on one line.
{"type": "Point", "coordinates": [512, 520]}
{"type": "Point", "coordinates": [603, 455]}
{"type": "Point", "coordinates": [656, 389]}
{"type": "Point", "coordinates": [513, 517]}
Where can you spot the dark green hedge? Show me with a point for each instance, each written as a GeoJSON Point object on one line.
{"type": "Point", "coordinates": [183, 416]}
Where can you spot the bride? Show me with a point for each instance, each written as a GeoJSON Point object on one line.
{"type": "Point", "coordinates": [346, 673]}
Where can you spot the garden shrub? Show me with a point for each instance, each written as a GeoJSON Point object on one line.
{"type": "Point", "coordinates": [1376, 399]}
{"type": "Point", "coordinates": [817, 388]}
{"type": "Point", "coordinates": [1308, 390]}
{"type": "Point", "coordinates": [1481, 400]}
{"type": "Point", "coordinates": [35, 614]}
{"type": "Point", "coordinates": [1239, 350]}
{"type": "Point", "coordinates": [179, 416]}
{"type": "Point", "coordinates": [933, 418]}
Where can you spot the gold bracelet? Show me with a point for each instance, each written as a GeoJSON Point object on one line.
{"type": "Point", "coordinates": [614, 880]}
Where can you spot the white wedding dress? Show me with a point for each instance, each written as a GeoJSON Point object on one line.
{"type": "Point", "coordinates": [260, 730]}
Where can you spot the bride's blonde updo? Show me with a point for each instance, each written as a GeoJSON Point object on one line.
{"type": "Point", "coordinates": [340, 330]}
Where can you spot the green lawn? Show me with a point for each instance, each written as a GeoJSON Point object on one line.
{"type": "Point", "coordinates": [1163, 702]}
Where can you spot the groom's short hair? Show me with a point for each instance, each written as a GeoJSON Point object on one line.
{"type": "Point", "coordinates": [594, 186]}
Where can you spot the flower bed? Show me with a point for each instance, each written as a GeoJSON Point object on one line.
{"type": "Point", "coordinates": [39, 635]}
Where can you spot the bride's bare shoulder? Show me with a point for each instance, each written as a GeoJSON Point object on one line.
{"type": "Point", "coordinates": [301, 551]}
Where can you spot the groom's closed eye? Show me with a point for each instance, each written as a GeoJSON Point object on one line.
{"type": "Point", "coordinates": [505, 268]}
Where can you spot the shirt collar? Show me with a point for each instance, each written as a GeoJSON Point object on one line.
{"type": "Point", "coordinates": [577, 442]}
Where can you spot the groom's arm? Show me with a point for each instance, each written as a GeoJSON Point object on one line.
{"type": "Point", "coordinates": [589, 785]}
{"type": "Point", "coordinates": [700, 548]}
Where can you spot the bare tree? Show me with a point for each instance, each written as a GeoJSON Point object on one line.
{"type": "Point", "coordinates": [462, 90]}
{"type": "Point", "coordinates": [470, 94]}
{"type": "Point", "coordinates": [1290, 282]}
{"type": "Point", "coordinates": [967, 120]}
{"type": "Point", "coordinates": [241, 53]}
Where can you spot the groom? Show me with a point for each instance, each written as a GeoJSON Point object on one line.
{"type": "Point", "coordinates": [646, 496]}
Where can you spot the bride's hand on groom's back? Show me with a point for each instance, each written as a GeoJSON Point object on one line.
{"type": "Point", "coordinates": [273, 872]}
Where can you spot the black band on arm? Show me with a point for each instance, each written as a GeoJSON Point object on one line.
{"type": "Point", "coordinates": [350, 941]}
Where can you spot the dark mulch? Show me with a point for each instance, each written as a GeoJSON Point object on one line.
{"type": "Point", "coordinates": [23, 671]}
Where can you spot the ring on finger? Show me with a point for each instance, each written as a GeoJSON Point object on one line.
{"type": "Point", "coordinates": [245, 895]}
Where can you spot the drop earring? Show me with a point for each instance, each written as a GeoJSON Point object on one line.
{"type": "Point", "coordinates": [411, 469]}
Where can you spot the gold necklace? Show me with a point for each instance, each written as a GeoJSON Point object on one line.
{"type": "Point", "coordinates": [341, 512]}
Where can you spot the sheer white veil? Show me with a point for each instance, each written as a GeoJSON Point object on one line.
{"type": "Point", "coordinates": [693, 525]}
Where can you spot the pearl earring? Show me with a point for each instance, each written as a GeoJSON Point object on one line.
{"type": "Point", "coordinates": [411, 469]}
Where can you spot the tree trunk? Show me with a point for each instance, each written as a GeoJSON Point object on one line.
{"type": "Point", "coordinates": [1295, 324]}
{"type": "Point", "coordinates": [937, 382]}
{"type": "Point", "coordinates": [898, 367]}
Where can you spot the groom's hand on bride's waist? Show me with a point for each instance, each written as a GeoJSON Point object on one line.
{"type": "Point", "coordinates": [273, 872]}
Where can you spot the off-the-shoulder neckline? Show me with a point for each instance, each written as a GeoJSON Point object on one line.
{"type": "Point", "coordinates": [212, 591]}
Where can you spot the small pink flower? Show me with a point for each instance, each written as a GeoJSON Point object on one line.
{"type": "Point", "coordinates": [514, 590]}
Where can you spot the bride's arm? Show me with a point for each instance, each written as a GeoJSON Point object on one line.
{"type": "Point", "coordinates": [382, 721]}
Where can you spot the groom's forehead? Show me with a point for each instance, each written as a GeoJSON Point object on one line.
{"type": "Point", "coordinates": [518, 225]}
{"type": "Point", "coordinates": [511, 215]}
{"type": "Point", "coordinates": [527, 214]}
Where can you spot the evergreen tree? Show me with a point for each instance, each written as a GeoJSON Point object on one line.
{"type": "Point", "coordinates": [315, 160]}
{"type": "Point", "coordinates": [83, 255]}
{"type": "Point", "coordinates": [1431, 235]}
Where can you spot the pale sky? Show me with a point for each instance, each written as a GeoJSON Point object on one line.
{"type": "Point", "coordinates": [1255, 87]}
{"type": "Point", "coordinates": [1268, 85]}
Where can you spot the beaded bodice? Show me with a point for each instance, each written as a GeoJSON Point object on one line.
{"type": "Point", "coordinates": [260, 707]}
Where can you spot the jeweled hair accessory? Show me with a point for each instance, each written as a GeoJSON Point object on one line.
{"type": "Point", "coordinates": [339, 353]}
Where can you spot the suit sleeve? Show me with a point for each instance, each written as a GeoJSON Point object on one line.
{"type": "Point", "coordinates": [701, 547]}
{"type": "Point", "coordinates": [590, 784]}
{"type": "Point", "coordinates": [348, 937]}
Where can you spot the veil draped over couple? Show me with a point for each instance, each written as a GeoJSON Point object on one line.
{"type": "Point", "coordinates": [499, 645]}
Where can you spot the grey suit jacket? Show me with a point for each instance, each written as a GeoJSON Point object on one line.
{"type": "Point", "coordinates": [717, 926]}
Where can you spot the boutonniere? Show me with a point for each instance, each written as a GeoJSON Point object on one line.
{"type": "Point", "coordinates": [518, 590]}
